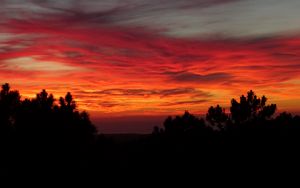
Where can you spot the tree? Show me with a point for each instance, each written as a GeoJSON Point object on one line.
{"type": "Point", "coordinates": [44, 101]}
{"type": "Point", "coordinates": [9, 102]}
{"type": "Point", "coordinates": [185, 123]}
{"type": "Point", "coordinates": [217, 116]}
{"type": "Point", "coordinates": [67, 103]}
{"type": "Point", "coordinates": [5, 89]}
{"type": "Point", "coordinates": [251, 107]}
{"type": "Point", "coordinates": [267, 111]}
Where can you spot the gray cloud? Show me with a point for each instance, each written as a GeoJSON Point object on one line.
{"type": "Point", "coordinates": [176, 18]}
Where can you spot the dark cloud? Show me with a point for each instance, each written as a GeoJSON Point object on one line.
{"type": "Point", "coordinates": [191, 58]}
{"type": "Point", "coordinates": [108, 104]}
{"type": "Point", "coordinates": [192, 77]}
{"type": "Point", "coordinates": [178, 91]}
{"type": "Point", "coordinates": [203, 3]}
{"type": "Point", "coordinates": [192, 102]}
{"type": "Point", "coordinates": [98, 12]}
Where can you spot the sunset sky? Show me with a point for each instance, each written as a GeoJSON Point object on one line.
{"type": "Point", "coordinates": [137, 58]}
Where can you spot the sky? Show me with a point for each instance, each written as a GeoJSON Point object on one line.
{"type": "Point", "coordinates": [123, 59]}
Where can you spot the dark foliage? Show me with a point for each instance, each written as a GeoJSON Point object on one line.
{"type": "Point", "coordinates": [217, 116]}
{"type": "Point", "coordinates": [43, 133]}
{"type": "Point", "coordinates": [250, 108]}
{"type": "Point", "coordinates": [249, 137]}
{"type": "Point", "coordinates": [49, 134]}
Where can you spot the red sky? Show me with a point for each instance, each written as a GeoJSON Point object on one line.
{"type": "Point", "coordinates": [141, 58]}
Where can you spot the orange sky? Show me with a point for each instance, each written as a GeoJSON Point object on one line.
{"type": "Point", "coordinates": [165, 75]}
{"type": "Point", "coordinates": [118, 62]}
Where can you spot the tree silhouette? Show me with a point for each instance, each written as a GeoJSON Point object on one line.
{"type": "Point", "coordinates": [217, 116]}
{"type": "Point", "coordinates": [183, 123]}
{"type": "Point", "coordinates": [44, 133]}
{"type": "Point", "coordinates": [45, 128]}
{"type": "Point", "coordinates": [67, 103]}
{"type": "Point", "coordinates": [9, 102]}
{"type": "Point", "coordinates": [251, 107]}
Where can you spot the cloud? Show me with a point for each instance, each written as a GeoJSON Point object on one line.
{"type": "Point", "coordinates": [30, 64]}
{"type": "Point", "coordinates": [198, 78]}
{"type": "Point", "coordinates": [175, 18]}
{"type": "Point", "coordinates": [149, 92]}
{"type": "Point", "coordinates": [115, 53]}
{"type": "Point", "coordinates": [137, 55]}
{"type": "Point", "coordinates": [188, 103]}
{"type": "Point", "coordinates": [108, 104]}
